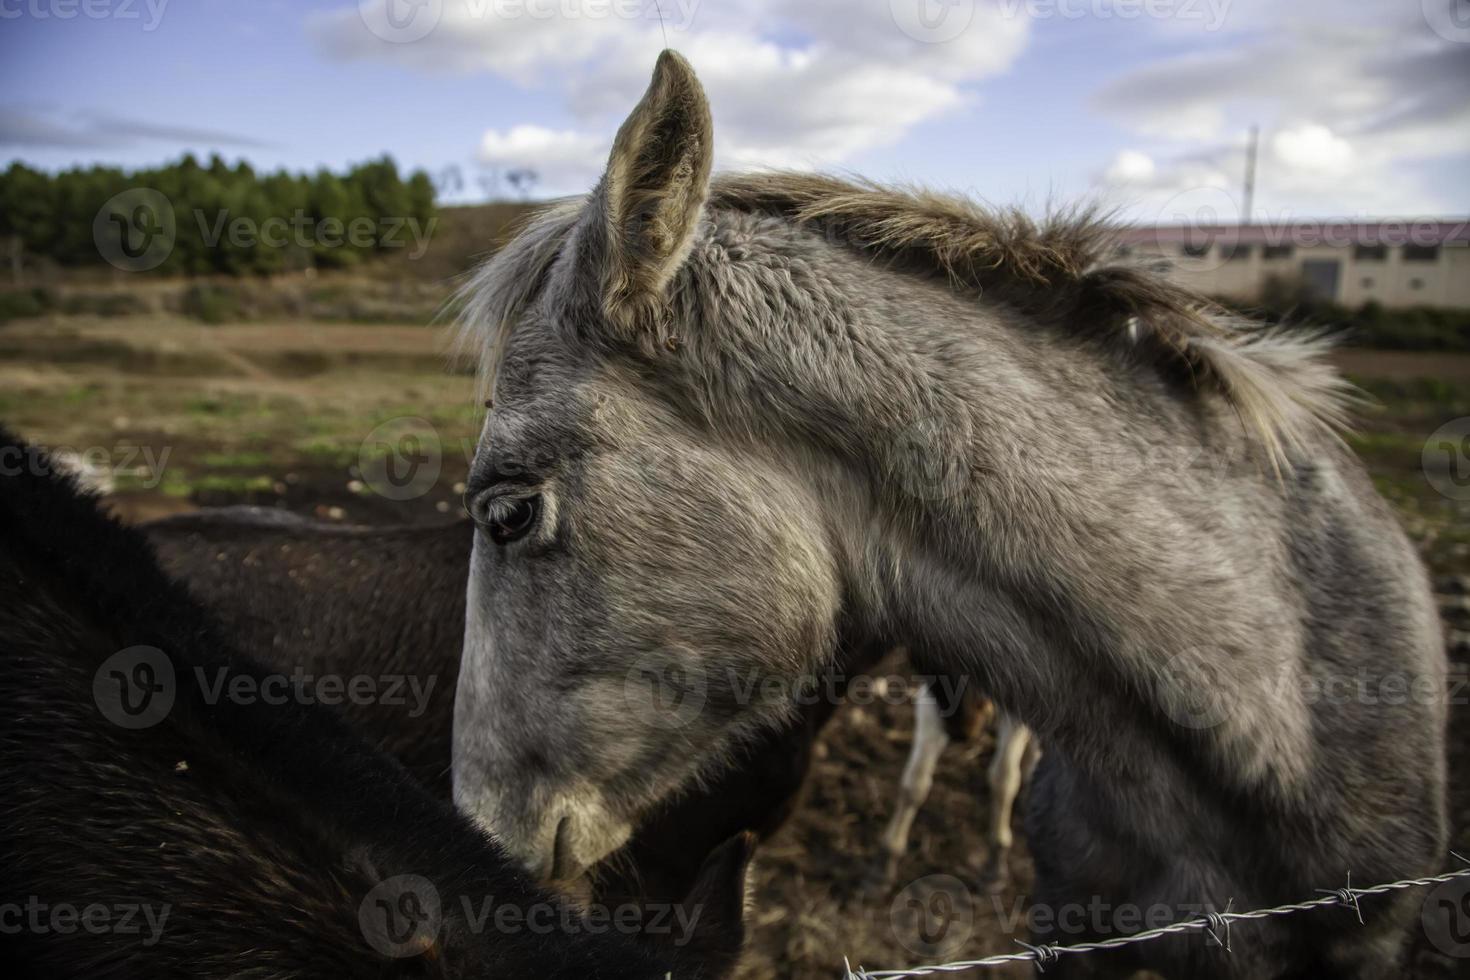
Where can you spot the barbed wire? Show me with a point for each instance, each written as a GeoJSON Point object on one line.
{"type": "Point", "coordinates": [1217, 924]}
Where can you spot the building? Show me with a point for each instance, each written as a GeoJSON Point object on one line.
{"type": "Point", "coordinates": [1394, 263]}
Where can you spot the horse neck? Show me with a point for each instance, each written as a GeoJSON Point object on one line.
{"type": "Point", "coordinates": [1046, 555]}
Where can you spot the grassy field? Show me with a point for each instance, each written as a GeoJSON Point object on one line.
{"type": "Point", "coordinates": [265, 413]}
{"type": "Point", "coordinates": [1411, 396]}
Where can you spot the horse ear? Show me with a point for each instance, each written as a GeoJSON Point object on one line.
{"type": "Point", "coordinates": [652, 195]}
{"type": "Point", "coordinates": [717, 901]}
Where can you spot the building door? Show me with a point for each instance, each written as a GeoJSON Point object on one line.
{"type": "Point", "coordinates": [1321, 277]}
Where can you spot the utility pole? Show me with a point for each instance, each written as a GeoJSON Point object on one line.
{"type": "Point", "coordinates": [1248, 204]}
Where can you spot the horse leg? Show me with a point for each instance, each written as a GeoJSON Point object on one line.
{"type": "Point", "coordinates": [930, 738]}
{"type": "Point", "coordinates": [1012, 742]}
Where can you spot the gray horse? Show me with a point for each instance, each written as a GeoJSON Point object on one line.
{"type": "Point", "coordinates": [739, 422]}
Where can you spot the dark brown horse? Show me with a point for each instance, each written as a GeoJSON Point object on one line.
{"type": "Point", "coordinates": [164, 816]}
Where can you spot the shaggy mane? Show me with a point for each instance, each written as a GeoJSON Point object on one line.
{"type": "Point", "coordinates": [495, 295]}
{"type": "Point", "coordinates": [1064, 269]}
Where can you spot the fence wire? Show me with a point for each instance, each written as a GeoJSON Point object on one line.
{"type": "Point", "coordinates": [1217, 924]}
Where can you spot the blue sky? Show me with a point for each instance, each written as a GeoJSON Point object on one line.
{"type": "Point", "coordinates": [1143, 104]}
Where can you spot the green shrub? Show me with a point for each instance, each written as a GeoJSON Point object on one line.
{"type": "Point", "coordinates": [51, 215]}
{"type": "Point", "coordinates": [211, 304]}
{"type": "Point", "coordinates": [23, 303]}
{"type": "Point", "coordinates": [104, 304]}
{"type": "Point", "coordinates": [1291, 301]}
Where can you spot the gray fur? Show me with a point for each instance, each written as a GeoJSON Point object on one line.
{"type": "Point", "coordinates": [976, 437]}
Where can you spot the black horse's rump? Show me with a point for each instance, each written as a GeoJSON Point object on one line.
{"type": "Point", "coordinates": [159, 820]}
{"type": "Point", "coordinates": [322, 603]}
{"type": "Point", "coordinates": [385, 602]}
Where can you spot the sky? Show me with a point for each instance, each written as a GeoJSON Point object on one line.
{"type": "Point", "coordinates": [1141, 105]}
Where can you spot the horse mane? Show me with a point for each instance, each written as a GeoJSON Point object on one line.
{"type": "Point", "coordinates": [1067, 269]}
{"type": "Point", "coordinates": [1064, 269]}
{"type": "Point", "coordinates": [493, 298]}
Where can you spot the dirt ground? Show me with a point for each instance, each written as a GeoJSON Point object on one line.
{"type": "Point", "coordinates": [279, 415]}
{"type": "Point", "coordinates": [812, 907]}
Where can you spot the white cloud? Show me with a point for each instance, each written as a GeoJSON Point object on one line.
{"type": "Point", "coordinates": [1131, 167]}
{"type": "Point", "coordinates": [558, 157]}
{"type": "Point", "coordinates": [791, 83]}
{"type": "Point", "coordinates": [1347, 95]}
{"type": "Point", "coordinates": [1350, 94]}
{"type": "Point", "coordinates": [1313, 149]}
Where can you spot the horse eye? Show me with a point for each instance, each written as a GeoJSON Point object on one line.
{"type": "Point", "coordinates": [505, 520]}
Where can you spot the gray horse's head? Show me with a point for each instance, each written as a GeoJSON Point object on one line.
{"type": "Point", "coordinates": [643, 591]}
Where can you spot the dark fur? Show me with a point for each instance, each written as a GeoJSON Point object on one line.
{"type": "Point", "coordinates": [375, 601]}
{"type": "Point", "coordinates": [272, 832]}
{"type": "Point", "coordinates": [338, 600]}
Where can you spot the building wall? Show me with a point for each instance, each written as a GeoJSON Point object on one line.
{"type": "Point", "coordinates": [1394, 281]}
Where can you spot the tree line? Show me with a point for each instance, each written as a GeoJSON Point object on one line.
{"type": "Point", "coordinates": [218, 217]}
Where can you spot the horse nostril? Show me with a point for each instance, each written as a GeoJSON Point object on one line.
{"type": "Point", "coordinates": [561, 852]}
